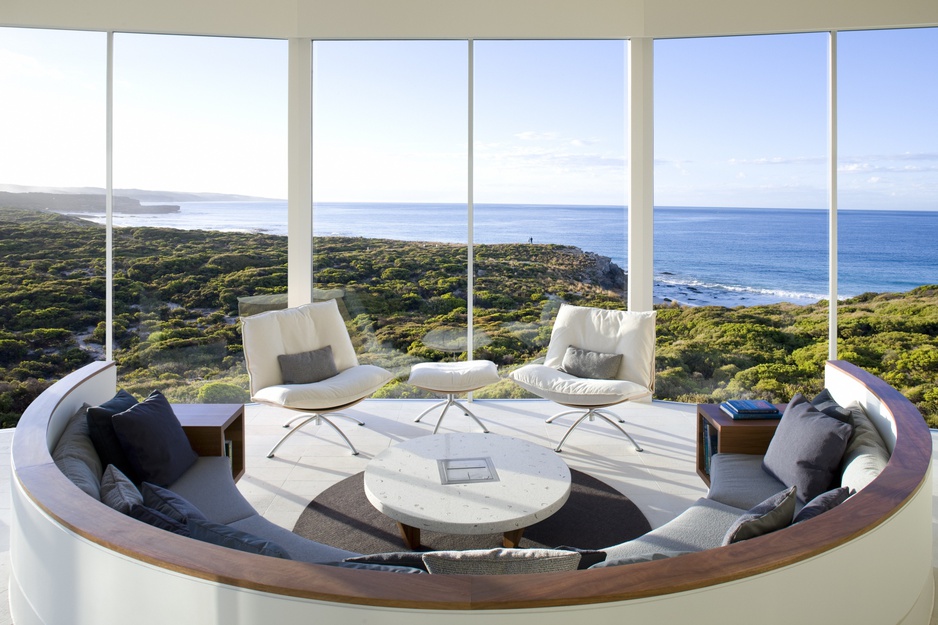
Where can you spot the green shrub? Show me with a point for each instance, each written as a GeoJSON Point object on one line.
{"type": "Point", "coordinates": [222, 393]}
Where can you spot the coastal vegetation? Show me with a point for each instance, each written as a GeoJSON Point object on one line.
{"type": "Point", "coordinates": [177, 295]}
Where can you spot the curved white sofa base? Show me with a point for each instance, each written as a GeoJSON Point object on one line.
{"type": "Point", "coordinates": [881, 575]}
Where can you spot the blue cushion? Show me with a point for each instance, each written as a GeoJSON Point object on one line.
{"type": "Point", "coordinates": [773, 514]}
{"type": "Point", "coordinates": [806, 449]}
{"type": "Point", "coordinates": [826, 403]}
{"type": "Point", "coordinates": [102, 434]}
{"type": "Point", "coordinates": [154, 441]}
{"type": "Point", "coordinates": [118, 491]}
{"type": "Point", "coordinates": [822, 503]}
{"type": "Point", "coordinates": [169, 503]}
{"type": "Point", "coordinates": [158, 519]}
{"type": "Point", "coordinates": [226, 536]}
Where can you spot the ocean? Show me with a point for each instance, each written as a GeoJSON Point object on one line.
{"type": "Point", "coordinates": [703, 256]}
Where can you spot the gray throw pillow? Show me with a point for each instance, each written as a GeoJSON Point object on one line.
{"type": "Point", "coordinates": [806, 449]}
{"type": "Point", "coordinates": [169, 503]}
{"type": "Point", "coordinates": [118, 492]}
{"type": "Point", "coordinates": [500, 561]}
{"type": "Point", "coordinates": [75, 455]}
{"type": "Point", "coordinates": [773, 514]}
{"type": "Point", "coordinates": [308, 367]}
{"type": "Point", "coordinates": [226, 536]}
{"type": "Point", "coordinates": [866, 455]}
{"type": "Point", "coordinates": [644, 557]}
{"type": "Point", "coordinates": [826, 403]}
{"type": "Point", "coordinates": [154, 441]}
{"type": "Point", "coordinates": [584, 363]}
{"type": "Point", "coordinates": [822, 503]}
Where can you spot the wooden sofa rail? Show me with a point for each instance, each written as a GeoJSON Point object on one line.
{"type": "Point", "coordinates": [94, 521]}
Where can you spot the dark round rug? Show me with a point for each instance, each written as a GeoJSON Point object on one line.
{"type": "Point", "coordinates": [595, 516]}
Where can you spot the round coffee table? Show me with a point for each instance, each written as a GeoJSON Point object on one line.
{"type": "Point", "coordinates": [467, 484]}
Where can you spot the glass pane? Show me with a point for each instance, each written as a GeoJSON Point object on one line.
{"type": "Point", "coordinates": [390, 217]}
{"type": "Point", "coordinates": [741, 219]}
{"type": "Point", "coordinates": [888, 193]}
{"type": "Point", "coordinates": [52, 287]}
{"type": "Point", "coordinates": [199, 160]}
{"type": "Point", "coordinates": [550, 190]}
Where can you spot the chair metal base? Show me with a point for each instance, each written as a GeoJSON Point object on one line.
{"type": "Point", "coordinates": [590, 414]}
{"type": "Point", "coordinates": [446, 403]}
{"type": "Point", "coordinates": [318, 418]}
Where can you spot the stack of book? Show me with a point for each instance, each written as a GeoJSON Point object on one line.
{"type": "Point", "coordinates": [750, 409]}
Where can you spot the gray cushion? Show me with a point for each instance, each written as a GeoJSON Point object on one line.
{"type": "Point", "coordinates": [773, 514]}
{"type": "Point", "coordinates": [584, 363]}
{"type": "Point", "coordinates": [702, 526]}
{"type": "Point", "coordinates": [156, 518]}
{"type": "Point", "coordinates": [826, 403]}
{"type": "Point", "coordinates": [154, 441]}
{"type": "Point", "coordinates": [866, 455]}
{"type": "Point", "coordinates": [298, 547]}
{"type": "Point", "coordinates": [75, 455]}
{"type": "Point", "coordinates": [226, 536]}
{"type": "Point", "coordinates": [208, 486]}
{"type": "Point", "coordinates": [308, 367]}
{"type": "Point", "coordinates": [413, 559]}
{"type": "Point", "coordinates": [118, 491]}
{"type": "Point", "coordinates": [806, 449]}
{"type": "Point", "coordinates": [500, 561]}
{"type": "Point", "coordinates": [169, 503]}
{"type": "Point", "coordinates": [822, 503]}
{"type": "Point", "coordinates": [645, 557]}
{"type": "Point", "coordinates": [739, 481]}
{"type": "Point", "coordinates": [383, 568]}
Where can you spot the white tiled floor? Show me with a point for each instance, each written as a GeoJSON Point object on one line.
{"type": "Point", "coordinates": [662, 480]}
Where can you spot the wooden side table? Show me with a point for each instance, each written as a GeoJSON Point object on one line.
{"type": "Point", "coordinates": [717, 432]}
{"type": "Point", "coordinates": [215, 430]}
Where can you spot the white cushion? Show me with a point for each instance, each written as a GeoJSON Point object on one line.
{"type": "Point", "coordinates": [569, 390]}
{"type": "Point", "coordinates": [291, 331]}
{"type": "Point", "coordinates": [453, 377]}
{"type": "Point", "coordinates": [631, 334]}
{"type": "Point", "coordinates": [347, 387]}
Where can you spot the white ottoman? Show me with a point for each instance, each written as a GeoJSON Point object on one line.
{"type": "Point", "coordinates": [450, 379]}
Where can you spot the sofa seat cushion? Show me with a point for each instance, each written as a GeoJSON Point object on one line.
{"type": "Point", "coordinates": [209, 487]}
{"type": "Point", "coordinates": [702, 526]}
{"type": "Point", "coordinates": [296, 546]}
{"type": "Point", "coordinates": [738, 480]}
{"type": "Point", "coordinates": [570, 390]}
{"type": "Point", "coordinates": [347, 387]}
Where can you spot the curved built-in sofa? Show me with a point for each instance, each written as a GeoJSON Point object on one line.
{"type": "Point", "coordinates": [76, 561]}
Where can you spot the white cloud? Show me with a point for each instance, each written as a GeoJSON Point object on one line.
{"type": "Point", "coordinates": [531, 135]}
{"type": "Point", "coordinates": [14, 64]}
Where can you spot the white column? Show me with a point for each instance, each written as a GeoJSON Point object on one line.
{"type": "Point", "coordinates": [641, 173]}
{"type": "Point", "coordinates": [109, 204]}
{"type": "Point", "coordinates": [832, 197]}
{"type": "Point", "coordinates": [470, 282]}
{"type": "Point", "coordinates": [300, 173]}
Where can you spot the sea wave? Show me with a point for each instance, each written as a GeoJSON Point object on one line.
{"type": "Point", "coordinates": [703, 292]}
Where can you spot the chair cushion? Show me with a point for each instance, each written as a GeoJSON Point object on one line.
{"type": "Point", "coordinates": [609, 331]}
{"type": "Point", "coordinates": [267, 335]}
{"type": "Point", "coordinates": [584, 363]}
{"type": "Point", "coordinates": [307, 367]}
{"type": "Point", "coordinates": [773, 514]}
{"type": "Point", "coordinates": [569, 390]}
{"type": "Point", "coordinates": [806, 449]}
{"type": "Point", "coordinates": [345, 388]}
{"type": "Point", "coordinates": [453, 377]}
{"type": "Point", "coordinates": [154, 441]}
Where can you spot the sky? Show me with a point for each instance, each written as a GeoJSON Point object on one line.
{"type": "Point", "coordinates": [739, 121]}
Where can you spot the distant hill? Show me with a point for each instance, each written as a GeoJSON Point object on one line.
{"type": "Point", "coordinates": [140, 195]}
{"type": "Point", "coordinates": [79, 203]}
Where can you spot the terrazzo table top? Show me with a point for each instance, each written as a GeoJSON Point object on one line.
{"type": "Point", "coordinates": [528, 484]}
